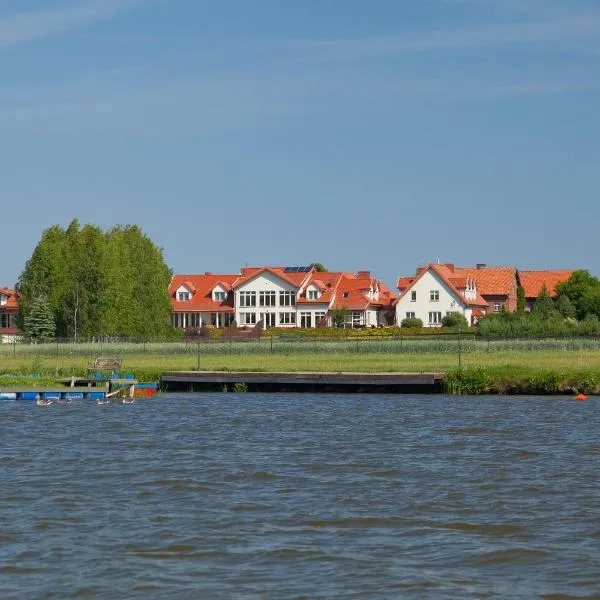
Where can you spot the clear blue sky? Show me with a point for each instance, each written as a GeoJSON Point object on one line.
{"type": "Point", "coordinates": [363, 134]}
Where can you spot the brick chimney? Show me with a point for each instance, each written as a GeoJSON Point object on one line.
{"type": "Point", "coordinates": [481, 266]}
{"type": "Point", "coordinates": [364, 274]}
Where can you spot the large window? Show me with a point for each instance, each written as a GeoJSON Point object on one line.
{"type": "Point", "coordinates": [319, 316]}
{"type": "Point", "coordinates": [248, 318]}
{"type": "Point", "coordinates": [434, 295]}
{"type": "Point", "coordinates": [357, 318]}
{"type": "Point", "coordinates": [410, 315]}
{"type": "Point", "coordinates": [5, 320]}
{"type": "Point", "coordinates": [287, 298]}
{"type": "Point", "coordinates": [287, 318]}
{"type": "Point", "coordinates": [435, 318]}
{"type": "Point", "coordinates": [268, 319]}
{"type": "Point", "coordinates": [183, 296]}
{"type": "Point", "coordinates": [248, 299]}
{"type": "Point", "coordinates": [305, 319]}
{"type": "Point", "coordinates": [266, 298]}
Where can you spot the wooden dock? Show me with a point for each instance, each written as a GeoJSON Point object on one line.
{"type": "Point", "coordinates": [33, 394]}
{"type": "Point", "coordinates": [200, 381]}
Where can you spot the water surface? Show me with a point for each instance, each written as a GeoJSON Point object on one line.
{"type": "Point", "coordinates": [301, 496]}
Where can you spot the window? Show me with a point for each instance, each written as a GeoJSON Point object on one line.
{"type": "Point", "coordinates": [434, 296]}
{"type": "Point", "coordinates": [435, 318]}
{"type": "Point", "coordinates": [357, 318]}
{"type": "Point", "coordinates": [313, 294]}
{"type": "Point", "coordinates": [287, 298]}
{"type": "Point", "coordinates": [183, 296]}
{"type": "Point", "coordinates": [410, 315]}
{"type": "Point", "coordinates": [305, 319]}
{"type": "Point", "coordinates": [268, 319]}
{"type": "Point", "coordinates": [266, 298]}
{"type": "Point", "coordinates": [496, 306]}
{"type": "Point", "coordinates": [413, 296]}
{"type": "Point", "coordinates": [3, 299]}
{"type": "Point", "coordinates": [248, 299]}
{"type": "Point", "coordinates": [5, 320]}
{"type": "Point", "coordinates": [346, 295]}
{"type": "Point", "coordinates": [248, 318]}
{"type": "Point", "coordinates": [194, 320]}
{"type": "Point", "coordinates": [220, 296]}
{"type": "Point", "coordinates": [319, 316]}
{"type": "Point", "coordinates": [287, 318]}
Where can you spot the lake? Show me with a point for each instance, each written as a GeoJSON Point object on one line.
{"type": "Point", "coordinates": [301, 496]}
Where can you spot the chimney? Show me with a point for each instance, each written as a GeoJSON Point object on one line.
{"type": "Point", "coordinates": [419, 270]}
{"type": "Point", "coordinates": [450, 266]}
{"type": "Point", "coordinates": [364, 274]}
{"type": "Point", "coordinates": [481, 266]}
{"type": "Point", "coordinates": [207, 273]}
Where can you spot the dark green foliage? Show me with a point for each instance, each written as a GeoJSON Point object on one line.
{"type": "Point", "coordinates": [583, 290]}
{"type": "Point", "coordinates": [38, 325]}
{"type": "Point", "coordinates": [412, 323]}
{"type": "Point", "coordinates": [521, 300]}
{"type": "Point", "coordinates": [544, 383]}
{"type": "Point", "coordinates": [319, 267]}
{"type": "Point", "coordinates": [339, 316]}
{"type": "Point", "coordinates": [99, 283]}
{"type": "Point", "coordinates": [467, 382]}
{"type": "Point", "coordinates": [455, 319]}
{"type": "Point", "coordinates": [544, 305]}
{"type": "Point", "coordinates": [565, 307]}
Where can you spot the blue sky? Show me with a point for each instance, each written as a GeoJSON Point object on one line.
{"type": "Point", "coordinates": [377, 134]}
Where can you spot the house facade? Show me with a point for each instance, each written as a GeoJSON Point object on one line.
{"type": "Point", "coordinates": [498, 286]}
{"type": "Point", "coordinates": [285, 297]}
{"type": "Point", "coordinates": [533, 282]}
{"type": "Point", "coordinates": [9, 310]}
{"type": "Point", "coordinates": [437, 290]}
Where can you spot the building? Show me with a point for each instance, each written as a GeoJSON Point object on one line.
{"type": "Point", "coordinates": [533, 282]}
{"type": "Point", "coordinates": [437, 290]}
{"type": "Point", "coordinates": [9, 309]}
{"type": "Point", "coordinates": [200, 300]}
{"type": "Point", "coordinates": [281, 297]}
{"type": "Point", "coordinates": [498, 286]}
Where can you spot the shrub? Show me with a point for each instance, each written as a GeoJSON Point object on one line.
{"type": "Point", "coordinates": [467, 382]}
{"type": "Point", "coordinates": [412, 323]}
{"type": "Point", "coordinates": [455, 319]}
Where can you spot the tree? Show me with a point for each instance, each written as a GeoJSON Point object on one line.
{"type": "Point", "coordinates": [411, 323]}
{"type": "Point", "coordinates": [544, 306]}
{"type": "Point", "coordinates": [114, 282]}
{"type": "Point", "coordinates": [339, 317]}
{"type": "Point", "coordinates": [521, 300]}
{"type": "Point", "coordinates": [455, 319]}
{"type": "Point", "coordinates": [319, 267]}
{"type": "Point", "coordinates": [39, 325]}
{"type": "Point", "coordinates": [583, 291]}
{"type": "Point", "coordinates": [565, 307]}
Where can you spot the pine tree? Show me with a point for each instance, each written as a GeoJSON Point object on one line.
{"type": "Point", "coordinates": [39, 323]}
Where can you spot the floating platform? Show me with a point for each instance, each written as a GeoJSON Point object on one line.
{"type": "Point", "coordinates": [33, 394]}
{"type": "Point", "coordinates": [397, 383]}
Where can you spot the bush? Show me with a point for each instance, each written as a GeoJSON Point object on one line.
{"type": "Point", "coordinates": [467, 382]}
{"type": "Point", "coordinates": [455, 319]}
{"type": "Point", "coordinates": [412, 323]}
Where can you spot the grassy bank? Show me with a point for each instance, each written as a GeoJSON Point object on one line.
{"type": "Point", "coordinates": [542, 366]}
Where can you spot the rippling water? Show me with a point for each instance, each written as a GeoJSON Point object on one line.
{"type": "Point", "coordinates": [301, 496]}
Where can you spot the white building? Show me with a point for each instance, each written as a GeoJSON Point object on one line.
{"type": "Point", "coordinates": [436, 291]}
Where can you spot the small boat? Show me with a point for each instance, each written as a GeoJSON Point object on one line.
{"type": "Point", "coordinates": [128, 400]}
{"type": "Point", "coordinates": [103, 401]}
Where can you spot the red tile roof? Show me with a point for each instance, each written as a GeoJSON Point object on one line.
{"type": "Point", "coordinates": [352, 293]}
{"type": "Point", "coordinates": [533, 281]}
{"type": "Point", "coordinates": [295, 279]}
{"type": "Point", "coordinates": [12, 302]}
{"type": "Point", "coordinates": [201, 287]}
{"type": "Point", "coordinates": [491, 281]}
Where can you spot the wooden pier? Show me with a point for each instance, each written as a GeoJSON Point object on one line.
{"type": "Point", "coordinates": [398, 383]}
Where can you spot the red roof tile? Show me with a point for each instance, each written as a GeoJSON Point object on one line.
{"type": "Point", "coordinates": [491, 281]}
{"type": "Point", "coordinates": [533, 281]}
{"type": "Point", "coordinates": [295, 279]}
{"type": "Point", "coordinates": [201, 287]}
{"type": "Point", "coordinates": [12, 299]}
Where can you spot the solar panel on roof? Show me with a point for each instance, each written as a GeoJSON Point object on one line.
{"type": "Point", "coordinates": [297, 269]}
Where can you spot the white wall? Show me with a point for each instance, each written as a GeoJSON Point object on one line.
{"type": "Point", "coordinates": [265, 282]}
{"type": "Point", "coordinates": [448, 302]}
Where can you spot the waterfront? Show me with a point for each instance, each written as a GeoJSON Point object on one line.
{"type": "Point", "coordinates": [288, 496]}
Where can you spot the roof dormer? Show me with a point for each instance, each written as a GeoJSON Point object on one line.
{"type": "Point", "coordinates": [3, 299]}
{"type": "Point", "coordinates": [313, 292]}
{"type": "Point", "coordinates": [219, 292]}
{"type": "Point", "coordinates": [184, 293]}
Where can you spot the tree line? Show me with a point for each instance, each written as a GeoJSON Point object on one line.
{"type": "Point", "coordinates": [86, 282]}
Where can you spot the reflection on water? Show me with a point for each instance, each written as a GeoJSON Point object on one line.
{"type": "Point", "coordinates": [301, 496]}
